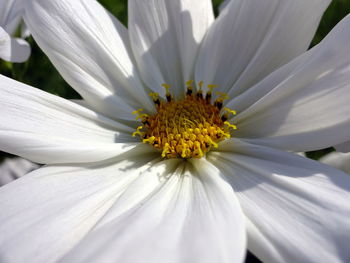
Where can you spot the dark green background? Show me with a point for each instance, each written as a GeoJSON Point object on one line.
{"type": "Point", "coordinates": [39, 72]}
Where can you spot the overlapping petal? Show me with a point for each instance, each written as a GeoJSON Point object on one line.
{"type": "Point", "coordinates": [10, 14]}
{"type": "Point", "coordinates": [338, 160]}
{"type": "Point", "coordinates": [165, 36]}
{"type": "Point", "coordinates": [91, 50]}
{"type": "Point", "coordinates": [343, 147]}
{"type": "Point", "coordinates": [192, 217]}
{"type": "Point", "coordinates": [14, 168]}
{"type": "Point", "coordinates": [48, 129]}
{"type": "Point", "coordinates": [13, 49]}
{"type": "Point", "coordinates": [306, 106]}
{"type": "Point", "coordinates": [297, 209]}
{"type": "Point", "coordinates": [250, 39]}
{"type": "Point", "coordinates": [47, 212]}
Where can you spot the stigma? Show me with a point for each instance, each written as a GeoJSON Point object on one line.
{"type": "Point", "coordinates": [186, 128]}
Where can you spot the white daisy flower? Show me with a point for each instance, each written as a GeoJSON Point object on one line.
{"type": "Point", "coordinates": [188, 186]}
{"type": "Point", "coordinates": [13, 168]}
{"type": "Point", "coordinates": [12, 49]}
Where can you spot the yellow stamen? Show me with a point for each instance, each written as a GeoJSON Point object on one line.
{"type": "Point", "coordinates": [186, 128]}
{"type": "Point", "coordinates": [222, 95]}
{"type": "Point", "coordinates": [200, 84]}
{"type": "Point", "coordinates": [138, 132]}
{"type": "Point", "coordinates": [233, 112]}
{"type": "Point", "coordinates": [230, 125]}
{"type": "Point", "coordinates": [137, 111]}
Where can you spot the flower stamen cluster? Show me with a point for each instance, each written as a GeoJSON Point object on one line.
{"type": "Point", "coordinates": [187, 128]}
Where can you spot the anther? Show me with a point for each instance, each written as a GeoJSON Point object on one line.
{"type": "Point", "coordinates": [155, 98]}
{"type": "Point", "coordinates": [218, 104]}
{"type": "Point", "coordinates": [145, 122]}
{"type": "Point", "coordinates": [189, 85]}
{"type": "Point", "coordinates": [167, 92]}
{"type": "Point", "coordinates": [224, 117]}
{"type": "Point", "coordinates": [199, 94]}
{"type": "Point", "coordinates": [209, 93]}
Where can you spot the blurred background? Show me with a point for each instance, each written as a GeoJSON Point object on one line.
{"type": "Point", "coordinates": [39, 72]}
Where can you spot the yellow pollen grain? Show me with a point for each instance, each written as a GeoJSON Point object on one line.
{"type": "Point", "coordinates": [186, 128]}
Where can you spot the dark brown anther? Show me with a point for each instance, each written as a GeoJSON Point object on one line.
{"type": "Point", "coordinates": [224, 117]}
{"type": "Point", "coordinates": [168, 97]}
{"type": "Point", "coordinates": [157, 102]}
{"type": "Point", "coordinates": [208, 97]}
{"type": "Point", "coordinates": [200, 94]}
{"type": "Point", "coordinates": [189, 91]}
{"type": "Point", "coordinates": [146, 123]}
{"type": "Point", "coordinates": [218, 104]}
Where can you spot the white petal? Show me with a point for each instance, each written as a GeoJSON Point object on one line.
{"type": "Point", "coordinates": [307, 102]}
{"type": "Point", "coordinates": [48, 129]}
{"type": "Point", "coordinates": [46, 213]}
{"type": "Point", "coordinates": [10, 14]}
{"type": "Point", "coordinates": [338, 160]}
{"type": "Point", "coordinates": [165, 36]}
{"type": "Point", "coordinates": [223, 5]}
{"type": "Point", "coordinates": [13, 168]}
{"type": "Point", "coordinates": [90, 48]}
{"type": "Point", "coordinates": [250, 39]}
{"type": "Point", "coordinates": [192, 216]}
{"type": "Point", "coordinates": [13, 49]}
{"type": "Point", "coordinates": [344, 147]}
{"type": "Point", "coordinates": [297, 209]}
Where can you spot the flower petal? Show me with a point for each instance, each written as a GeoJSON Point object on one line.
{"type": "Point", "coordinates": [297, 209]}
{"type": "Point", "coordinates": [223, 5]}
{"type": "Point", "coordinates": [307, 102]}
{"type": "Point", "coordinates": [344, 147]}
{"type": "Point", "coordinates": [14, 168]}
{"type": "Point", "coordinates": [250, 39]}
{"type": "Point", "coordinates": [90, 48]}
{"type": "Point", "coordinates": [48, 129]}
{"type": "Point", "coordinates": [10, 14]}
{"type": "Point", "coordinates": [193, 216]}
{"type": "Point", "coordinates": [13, 49]}
{"type": "Point", "coordinates": [47, 212]}
{"type": "Point", "coordinates": [165, 36]}
{"type": "Point", "coordinates": [338, 160]}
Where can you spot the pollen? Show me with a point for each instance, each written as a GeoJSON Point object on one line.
{"type": "Point", "coordinates": [186, 128]}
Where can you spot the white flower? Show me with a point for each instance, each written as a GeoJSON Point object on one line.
{"type": "Point", "coordinates": [12, 49]}
{"type": "Point", "coordinates": [106, 197]}
{"type": "Point", "coordinates": [13, 168]}
{"type": "Point", "coordinates": [338, 160]}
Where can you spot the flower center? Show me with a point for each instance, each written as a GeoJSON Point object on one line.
{"type": "Point", "coordinates": [186, 128]}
